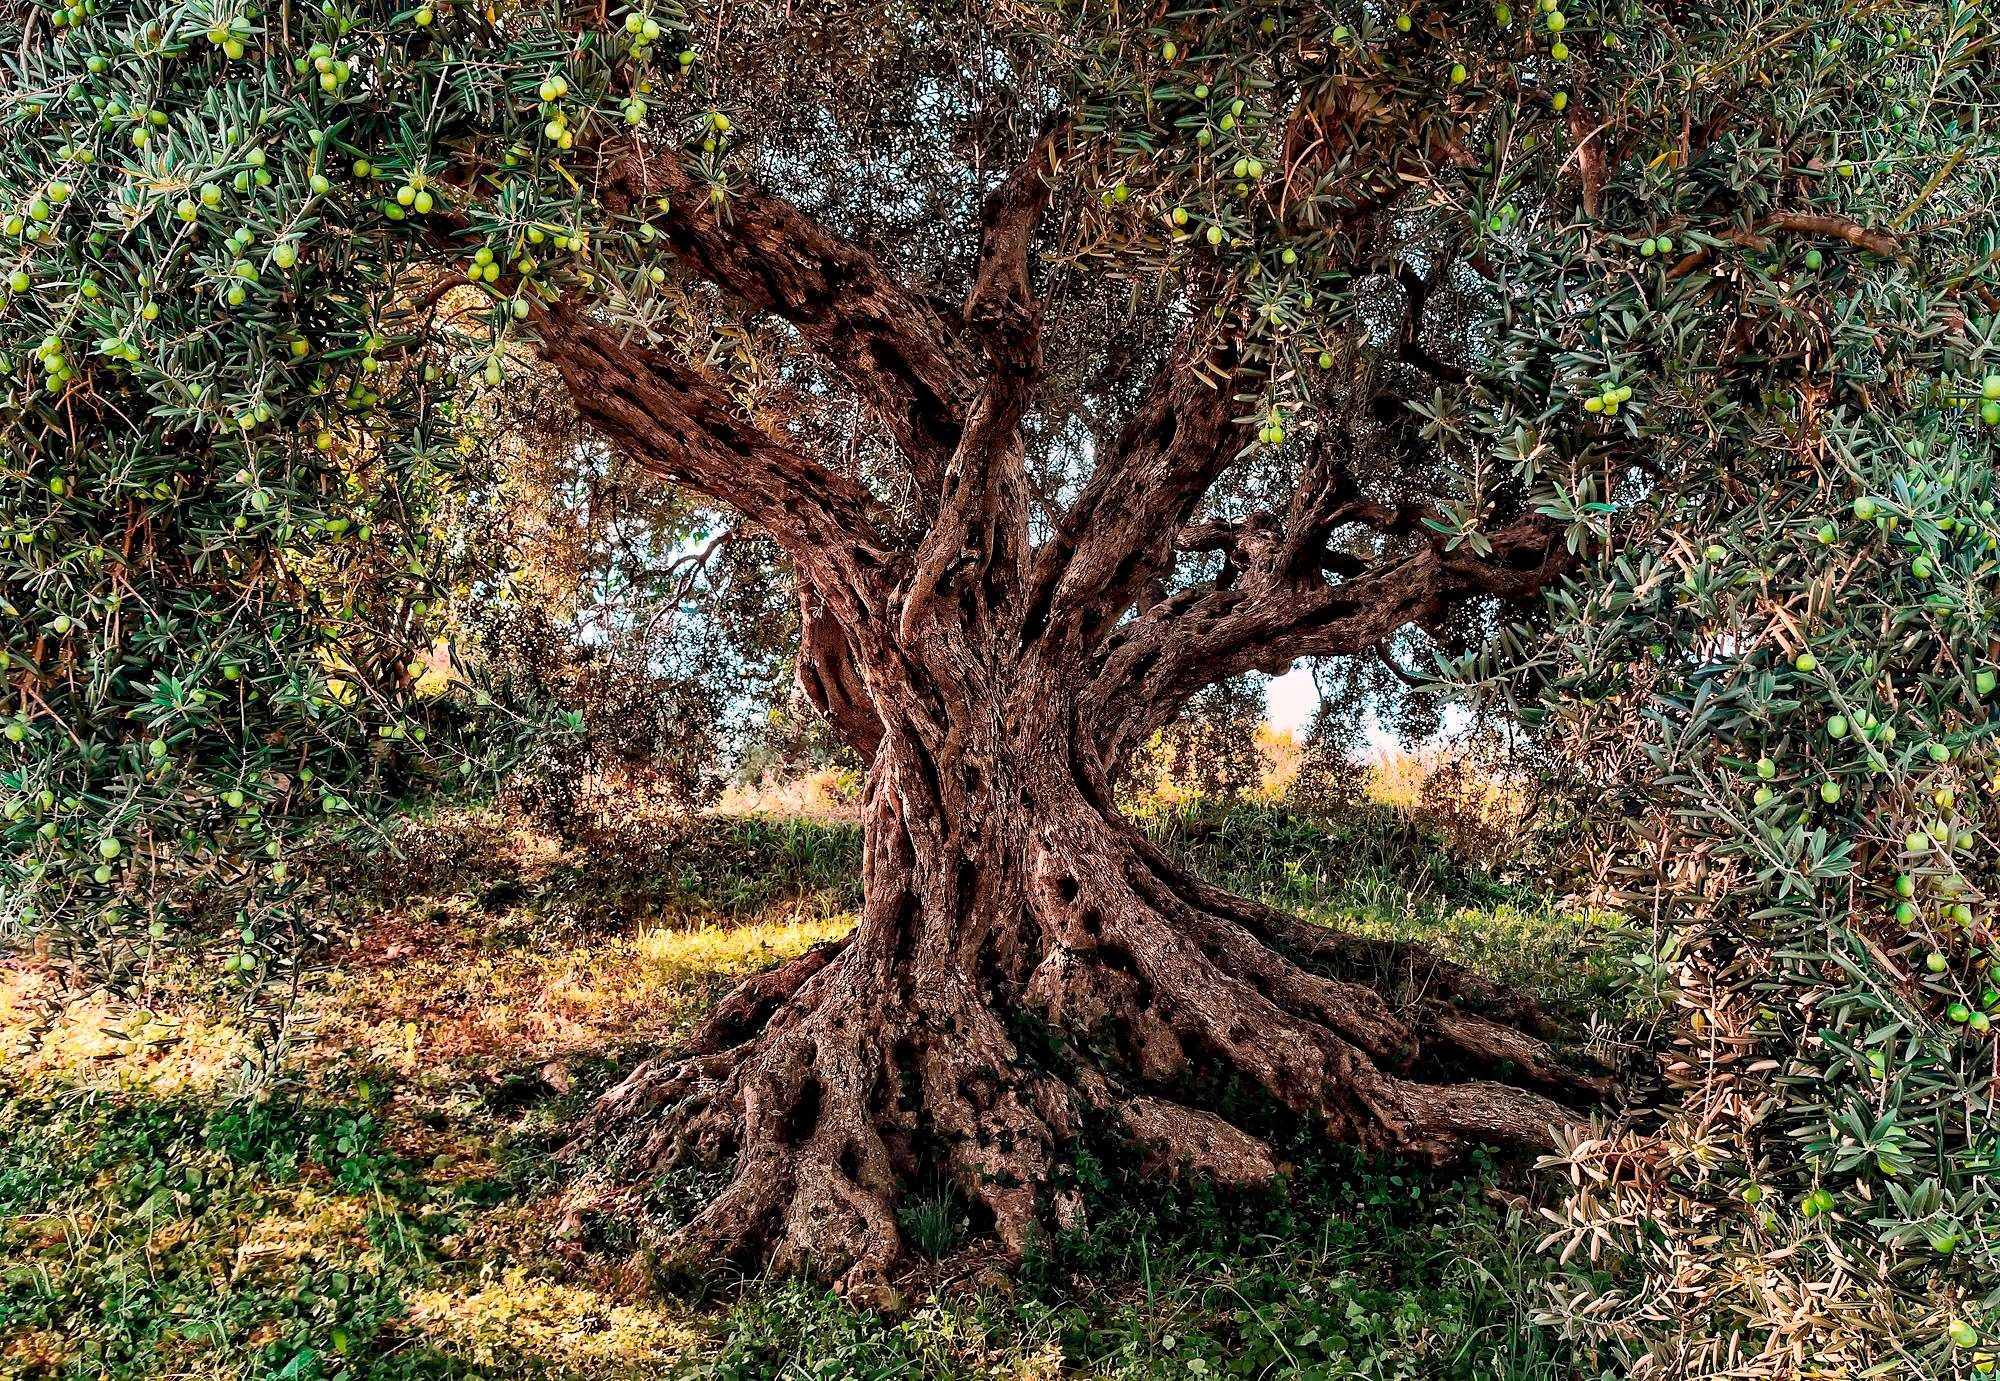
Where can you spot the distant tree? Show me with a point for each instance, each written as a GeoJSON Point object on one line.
{"type": "Point", "coordinates": [1076, 358]}
{"type": "Point", "coordinates": [666, 631]}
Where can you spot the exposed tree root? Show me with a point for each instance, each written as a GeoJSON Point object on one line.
{"type": "Point", "coordinates": [830, 1080]}
{"type": "Point", "coordinates": [1176, 1138]}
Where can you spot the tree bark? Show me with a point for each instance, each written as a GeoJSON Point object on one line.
{"type": "Point", "coordinates": [1027, 970]}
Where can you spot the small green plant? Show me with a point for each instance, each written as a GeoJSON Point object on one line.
{"type": "Point", "coordinates": [933, 1222]}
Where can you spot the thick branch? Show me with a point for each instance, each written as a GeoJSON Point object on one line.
{"type": "Point", "coordinates": [1326, 498]}
{"type": "Point", "coordinates": [682, 425]}
{"type": "Point", "coordinates": [980, 539]}
{"type": "Point", "coordinates": [1273, 617]}
{"type": "Point", "coordinates": [904, 358]}
{"type": "Point", "coordinates": [979, 542]}
{"type": "Point", "coordinates": [1118, 535]}
{"type": "Point", "coordinates": [1001, 309]}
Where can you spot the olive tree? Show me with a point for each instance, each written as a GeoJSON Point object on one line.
{"type": "Point", "coordinates": [1077, 359]}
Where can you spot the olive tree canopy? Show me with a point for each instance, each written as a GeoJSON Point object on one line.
{"type": "Point", "coordinates": [1076, 357]}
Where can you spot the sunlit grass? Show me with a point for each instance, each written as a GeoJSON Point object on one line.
{"type": "Point", "coordinates": [1396, 777]}
{"type": "Point", "coordinates": [830, 793]}
{"type": "Point", "coordinates": [164, 1212]}
{"type": "Point", "coordinates": [1551, 950]}
{"type": "Point", "coordinates": [438, 1015]}
{"type": "Point", "coordinates": [92, 1040]}
{"type": "Point", "coordinates": [519, 1322]}
{"type": "Point", "coordinates": [736, 949]}
{"type": "Point", "coordinates": [383, 1205]}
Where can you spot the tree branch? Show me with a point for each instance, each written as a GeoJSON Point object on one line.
{"type": "Point", "coordinates": [1396, 668]}
{"type": "Point", "coordinates": [1811, 224]}
{"type": "Point", "coordinates": [980, 538]}
{"type": "Point", "coordinates": [891, 344]}
{"type": "Point", "coordinates": [1001, 309]}
{"type": "Point", "coordinates": [1588, 139]}
{"type": "Point", "coordinates": [1117, 540]}
{"type": "Point", "coordinates": [1833, 228]}
{"type": "Point", "coordinates": [675, 421]}
{"type": "Point", "coordinates": [690, 566]}
{"type": "Point", "coordinates": [1271, 618]}
{"type": "Point", "coordinates": [1118, 535]}
{"type": "Point", "coordinates": [1410, 348]}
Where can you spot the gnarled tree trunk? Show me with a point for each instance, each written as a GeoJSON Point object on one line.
{"type": "Point", "coordinates": [1004, 895]}
{"type": "Point", "coordinates": [1026, 965]}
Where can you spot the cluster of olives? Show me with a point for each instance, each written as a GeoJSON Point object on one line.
{"type": "Point", "coordinates": [643, 27]}
{"type": "Point", "coordinates": [414, 195]}
{"type": "Point", "coordinates": [232, 38]}
{"type": "Point", "coordinates": [1980, 1019]}
{"type": "Point", "coordinates": [645, 31]}
{"type": "Point", "coordinates": [1989, 400]}
{"type": "Point", "coordinates": [483, 268]}
{"type": "Point", "coordinates": [146, 119]}
{"type": "Point", "coordinates": [1608, 399]}
{"type": "Point", "coordinates": [556, 128]}
{"type": "Point", "coordinates": [255, 173]}
{"type": "Point", "coordinates": [120, 350]}
{"type": "Point", "coordinates": [16, 224]}
{"type": "Point", "coordinates": [715, 128]}
{"type": "Point", "coordinates": [69, 16]}
{"type": "Point", "coordinates": [1245, 167]}
{"type": "Point", "coordinates": [334, 72]}
{"type": "Point", "coordinates": [34, 224]}
{"type": "Point", "coordinates": [57, 370]}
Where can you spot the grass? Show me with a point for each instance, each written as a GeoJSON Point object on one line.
{"type": "Point", "coordinates": [1365, 1271]}
{"type": "Point", "coordinates": [384, 1205]}
{"type": "Point", "coordinates": [1376, 873]}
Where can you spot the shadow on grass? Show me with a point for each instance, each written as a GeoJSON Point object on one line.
{"type": "Point", "coordinates": [384, 1207]}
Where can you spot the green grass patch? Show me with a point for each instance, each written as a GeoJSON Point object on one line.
{"type": "Point", "coordinates": [384, 1206]}
{"type": "Point", "coordinates": [1367, 1271]}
